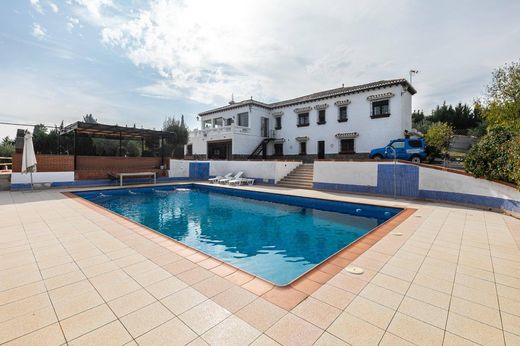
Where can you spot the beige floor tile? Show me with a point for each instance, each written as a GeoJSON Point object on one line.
{"type": "Point", "coordinates": [511, 323]}
{"type": "Point", "coordinates": [73, 305]}
{"type": "Point", "coordinates": [114, 284]}
{"type": "Point", "coordinates": [476, 311]}
{"type": "Point", "coordinates": [391, 283]}
{"type": "Point", "coordinates": [292, 330]}
{"type": "Point", "coordinates": [390, 339]}
{"type": "Point", "coordinates": [204, 316]}
{"type": "Point", "coordinates": [145, 319]}
{"type": "Point", "coordinates": [198, 342]}
{"type": "Point", "coordinates": [327, 339]}
{"type": "Point", "coordinates": [261, 314]}
{"type": "Point", "coordinates": [473, 330]}
{"type": "Point", "coordinates": [258, 286]}
{"type": "Point", "coordinates": [318, 313]}
{"type": "Point", "coordinates": [512, 339]}
{"type": "Point", "coordinates": [232, 331]}
{"type": "Point", "coordinates": [355, 331]}
{"type": "Point", "coordinates": [110, 334]}
{"type": "Point", "coordinates": [511, 306]}
{"type": "Point", "coordinates": [234, 298]}
{"type": "Point", "coordinates": [131, 302]}
{"type": "Point", "coordinates": [59, 270]}
{"type": "Point", "coordinates": [165, 287]}
{"type": "Point", "coordinates": [424, 312]}
{"type": "Point", "coordinates": [430, 296]}
{"type": "Point", "coordinates": [264, 340]}
{"type": "Point", "coordinates": [475, 295]}
{"type": "Point", "coordinates": [348, 283]}
{"type": "Point", "coordinates": [21, 292]}
{"type": "Point", "coordinates": [415, 331]}
{"type": "Point", "coordinates": [195, 275]}
{"type": "Point", "coordinates": [150, 277]}
{"type": "Point", "coordinates": [86, 321]}
{"type": "Point", "coordinates": [173, 332]}
{"type": "Point", "coordinates": [334, 296]}
{"type": "Point", "coordinates": [455, 340]}
{"type": "Point", "coordinates": [382, 296]}
{"type": "Point", "coordinates": [25, 324]}
{"type": "Point", "coordinates": [371, 312]}
{"type": "Point", "coordinates": [183, 300]}
{"type": "Point", "coordinates": [212, 286]}
{"type": "Point", "coordinates": [24, 306]}
{"type": "Point", "coordinates": [50, 335]}
{"type": "Point", "coordinates": [100, 268]}
{"type": "Point", "coordinates": [64, 279]}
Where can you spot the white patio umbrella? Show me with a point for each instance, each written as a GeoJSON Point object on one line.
{"type": "Point", "coordinates": [28, 157]}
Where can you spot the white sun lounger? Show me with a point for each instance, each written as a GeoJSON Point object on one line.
{"type": "Point", "coordinates": [217, 178]}
{"type": "Point", "coordinates": [241, 181]}
{"type": "Point", "coordinates": [226, 180]}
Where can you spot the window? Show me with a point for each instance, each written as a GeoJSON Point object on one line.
{"type": "Point", "coordinates": [229, 121]}
{"type": "Point", "coordinates": [207, 124]}
{"type": "Point", "coordinates": [243, 119]}
{"type": "Point", "coordinates": [415, 143]}
{"type": "Point", "coordinates": [218, 122]}
{"type": "Point", "coordinates": [189, 150]}
{"type": "Point", "coordinates": [398, 145]}
{"type": "Point", "coordinates": [303, 148]}
{"type": "Point", "coordinates": [303, 119]}
{"type": "Point", "coordinates": [278, 149]}
{"type": "Point", "coordinates": [278, 123]}
{"type": "Point", "coordinates": [342, 114]}
{"type": "Point", "coordinates": [321, 117]}
{"type": "Point", "coordinates": [380, 109]}
{"type": "Point", "coordinates": [347, 146]}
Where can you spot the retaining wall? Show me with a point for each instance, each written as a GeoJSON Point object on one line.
{"type": "Point", "coordinates": [415, 181]}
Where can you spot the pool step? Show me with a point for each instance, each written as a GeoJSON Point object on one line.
{"type": "Point", "coordinates": [299, 178]}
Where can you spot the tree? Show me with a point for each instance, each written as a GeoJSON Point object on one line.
{"type": "Point", "coordinates": [460, 117]}
{"type": "Point", "coordinates": [496, 156]}
{"type": "Point", "coordinates": [89, 119]}
{"type": "Point", "coordinates": [503, 97]}
{"type": "Point", "coordinates": [180, 132]}
{"type": "Point", "coordinates": [6, 147]}
{"type": "Point", "coordinates": [438, 138]}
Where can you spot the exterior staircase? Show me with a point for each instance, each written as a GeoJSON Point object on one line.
{"type": "Point", "coordinates": [299, 178]}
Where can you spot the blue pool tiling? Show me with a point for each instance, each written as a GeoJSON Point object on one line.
{"type": "Point", "coordinates": [274, 236]}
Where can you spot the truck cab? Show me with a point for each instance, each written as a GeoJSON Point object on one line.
{"type": "Point", "coordinates": [410, 149]}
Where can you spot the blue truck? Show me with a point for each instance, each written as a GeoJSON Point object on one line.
{"type": "Point", "coordinates": [410, 149]}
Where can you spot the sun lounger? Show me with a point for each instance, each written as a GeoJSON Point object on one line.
{"type": "Point", "coordinates": [226, 180]}
{"type": "Point", "coordinates": [217, 178]}
{"type": "Point", "coordinates": [241, 181]}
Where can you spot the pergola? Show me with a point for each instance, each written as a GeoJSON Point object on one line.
{"type": "Point", "coordinates": [95, 130]}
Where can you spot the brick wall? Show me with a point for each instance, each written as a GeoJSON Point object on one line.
{"type": "Point", "coordinates": [47, 163]}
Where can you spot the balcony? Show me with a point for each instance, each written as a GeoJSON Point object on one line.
{"type": "Point", "coordinates": [220, 132]}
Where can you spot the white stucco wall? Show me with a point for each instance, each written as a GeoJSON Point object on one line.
{"type": "Point", "coordinates": [42, 177]}
{"type": "Point", "coordinates": [351, 173]}
{"type": "Point", "coordinates": [436, 180]}
{"type": "Point", "coordinates": [179, 169]}
{"type": "Point", "coordinates": [373, 133]}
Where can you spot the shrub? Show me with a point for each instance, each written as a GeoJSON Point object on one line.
{"type": "Point", "coordinates": [496, 156]}
{"type": "Point", "coordinates": [438, 138]}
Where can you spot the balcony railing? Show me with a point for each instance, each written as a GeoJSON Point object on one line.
{"type": "Point", "coordinates": [222, 130]}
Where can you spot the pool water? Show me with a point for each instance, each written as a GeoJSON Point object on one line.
{"type": "Point", "coordinates": [275, 237]}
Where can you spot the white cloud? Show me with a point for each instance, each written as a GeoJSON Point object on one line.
{"type": "Point", "coordinates": [54, 7]}
{"type": "Point", "coordinates": [37, 6]}
{"type": "Point", "coordinates": [38, 31]}
{"type": "Point", "coordinates": [72, 23]}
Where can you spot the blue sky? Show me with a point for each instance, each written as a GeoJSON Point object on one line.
{"type": "Point", "coordinates": [137, 62]}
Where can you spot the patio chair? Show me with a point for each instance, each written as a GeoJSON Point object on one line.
{"type": "Point", "coordinates": [226, 180]}
{"type": "Point", "coordinates": [217, 178]}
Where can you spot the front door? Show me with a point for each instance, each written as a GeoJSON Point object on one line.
{"type": "Point", "coordinates": [264, 127]}
{"type": "Point", "coordinates": [321, 149]}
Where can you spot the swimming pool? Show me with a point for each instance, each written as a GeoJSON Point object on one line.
{"type": "Point", "coordinates": [276, 237]}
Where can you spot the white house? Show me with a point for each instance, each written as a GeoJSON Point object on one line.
{"type": "Point", "coordinates": [335, 123]}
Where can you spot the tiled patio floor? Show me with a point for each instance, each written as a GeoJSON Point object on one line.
{"type": "Point", "coordinates": [70, 274]}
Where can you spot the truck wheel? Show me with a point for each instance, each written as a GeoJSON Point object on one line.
{"type": "Point", "coordinates": [416, 159]}
{"type": "Point", "coordinates": [377, 157]}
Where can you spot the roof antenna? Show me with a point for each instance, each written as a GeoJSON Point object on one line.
{"type": "Point", "coordinates": [232, 99]}
{"type": "Point", "coordinates": [342, 85]}
{"type": "Point", "coordinates": [251, 98]}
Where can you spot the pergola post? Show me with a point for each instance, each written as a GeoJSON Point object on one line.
{"type": "Point", "coordinates": [120, 143]}
{"type": "Point", "coordinates": [75, 149]}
